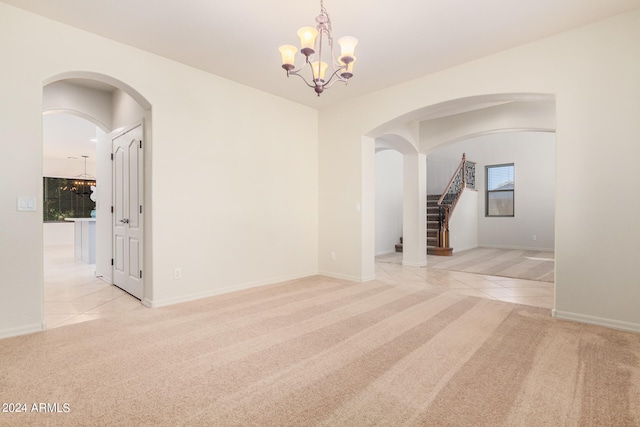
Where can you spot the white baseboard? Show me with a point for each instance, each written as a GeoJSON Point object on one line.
{"type": "Point", "coordinates": [593, 320]}
{"type": "Point", "coordinates": [517, 248]}
{"type": "Point", "coordinates": [155, 303]}
{"type": "Point", "coordinates": [343, 276]}
{"type": "Point", "coordinates": [464, 248]}
{"type": "Point", "coordinates": [414, 264]}
{"type": "Point", "coordinates": [22, 330]}
{"type": "Point", "coordinates": [386, 251]}
{"type": "Point", "coordinates": [368, 278]}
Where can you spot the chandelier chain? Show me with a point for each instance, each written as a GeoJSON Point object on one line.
{"type": "Point", "coordinates": [324, 12]}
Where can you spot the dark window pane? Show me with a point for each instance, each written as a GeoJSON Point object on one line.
{"type": "Point", "coordinates": [66, 198]}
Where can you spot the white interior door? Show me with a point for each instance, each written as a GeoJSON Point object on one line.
{"type": "Point", "coordinates": [128, 212]}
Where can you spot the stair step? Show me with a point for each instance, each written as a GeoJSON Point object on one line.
{"type": "Point", "coordinates": [433, 212]}
{"type": "Point", "coordinates": [431, 250]}
{"type": "Point", "coordinates": [440, 251]}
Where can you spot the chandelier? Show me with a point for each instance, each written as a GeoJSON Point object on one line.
{"type": "Point", "coordinates": [84, 184]}
{"type": "Point", "coordinates": [312, 41]}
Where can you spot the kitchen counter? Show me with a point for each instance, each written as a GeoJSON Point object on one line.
{"type": "Point", "coordinates": [84, 239]}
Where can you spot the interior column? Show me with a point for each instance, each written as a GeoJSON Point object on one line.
{"type": "Point", "coordinates": [414, 217]}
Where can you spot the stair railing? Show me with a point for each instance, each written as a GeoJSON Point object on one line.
{"type": "Point", "coordinates": [464, 176]}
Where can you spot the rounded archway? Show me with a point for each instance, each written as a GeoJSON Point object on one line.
{"type": "Point", "coordinates": [446, 123]}
{"type": "Point", "coordinates": [99, 81]}
{"type": "Point", "coordinates": [114, 108]}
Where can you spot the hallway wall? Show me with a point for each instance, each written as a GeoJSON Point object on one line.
{"type": "Point", "coordinates": [389, 187]}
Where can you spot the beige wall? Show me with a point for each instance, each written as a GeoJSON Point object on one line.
{"type": "Point", "coordinates": [594, 74]}
{"type": "Point", "coordinates": [533, 154]}
{"type": "Point", "coordinates": [242, 183]}
{"type": "Point", "coordinates": [232, 179]}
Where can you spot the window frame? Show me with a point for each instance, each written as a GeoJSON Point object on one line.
{"type": "Point", "coordinates": [488, 192]}
{"type": "Point", "coordinates": [66, 205]}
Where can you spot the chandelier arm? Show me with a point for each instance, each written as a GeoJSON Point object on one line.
{"type": "Point", "coordinates": [329, 82]}
{"type": "Point", "coordinates": [328, 85]}
{"type": "Point", "coordinates": [297, 73]}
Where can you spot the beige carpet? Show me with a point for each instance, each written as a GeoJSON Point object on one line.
{"type": "Point", "coordinates": [324, 352]}
{"type": "Point", "coordinates": [520, 264]}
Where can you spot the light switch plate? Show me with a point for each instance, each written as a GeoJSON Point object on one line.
{"type": "Point", "coordinates": [26, 204]}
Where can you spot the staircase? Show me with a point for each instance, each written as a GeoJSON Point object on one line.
{"type": "Point", "coordinates": [440, 208]}
{"type": "Point", "coordinates": [399, 246]}
{"type": "Point", "coordinates": [433, 227]}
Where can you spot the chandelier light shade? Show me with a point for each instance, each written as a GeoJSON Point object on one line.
{"type": "Point", "coordinates": [307, 37]}
{"type": "Point", "coordinates": [288, 53]}
{"type": "Point", "coordinates": [312, 42]}
{"type": "Point", "coordinates": [347, 46]}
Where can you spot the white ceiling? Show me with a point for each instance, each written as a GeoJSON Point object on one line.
{"type": "Point", "coordinates": [399, 40]}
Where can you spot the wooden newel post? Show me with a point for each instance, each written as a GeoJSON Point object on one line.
{"type": "Point", "coordinates": [445, 238]}
{"type": "Point", "coordinates": [464, 170]}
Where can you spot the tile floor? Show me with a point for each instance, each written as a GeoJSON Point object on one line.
{"type": "Point", "coordinates": [73, 294]}
{"type": "Point", "coordinates": [528, 292]}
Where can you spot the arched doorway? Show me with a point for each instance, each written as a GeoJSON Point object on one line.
{"type": "Point", "coordinates": [114, 108]}
{"type": "Point", "coordinates": [456, 120]}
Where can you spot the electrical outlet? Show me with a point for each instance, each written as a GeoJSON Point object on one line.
{"type": "Point", "coordinates": [332, 256]}
{"type": "Point", "coordinates": [534, 237]}
{"type": "Point", "coordinates": [177, 273]}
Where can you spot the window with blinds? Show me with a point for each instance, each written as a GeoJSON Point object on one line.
{"type": "Point", "coordinates": [500, 188]}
